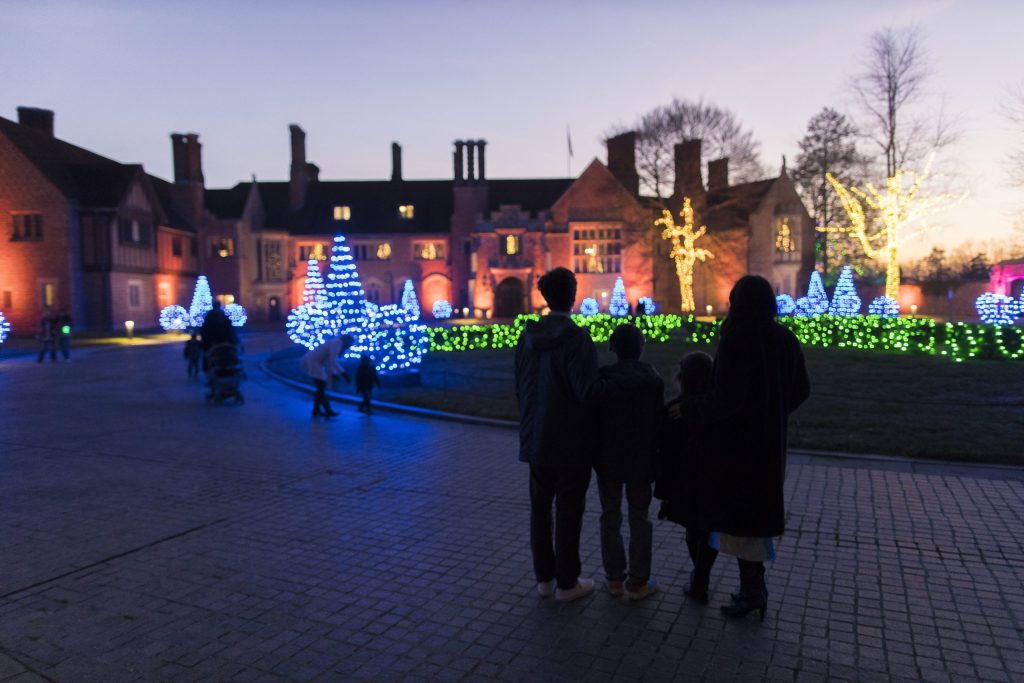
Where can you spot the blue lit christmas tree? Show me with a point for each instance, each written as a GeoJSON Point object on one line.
{"type": "Point", "coordinates": [202, 302]}
{"type": "Point", "coordinates": [394, 339]}
{"type": "Point", "coordinates": [619, 305]}
{"type": "Point", "coordinates": [589, 306]}
{"type": "Point", "coordinates": [884, 306]}
{"type": "Point", "coordinates": [309, 324]}
{"type": "Point", "coordinates": [346, 313]}
{"type": "Point", "coordinates": [5, 328]}
{"type": "Point", "coordinates": [845, 301]}
{"type": "Point", "coordinates": [784, 304]}
{"type": "Point", "coordinates": [409, 301]}
{"type": "Point", "coordinates": [816, 301]}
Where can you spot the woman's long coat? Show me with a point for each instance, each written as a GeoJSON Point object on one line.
{"type": "Point", "coordinates": [759, 378]}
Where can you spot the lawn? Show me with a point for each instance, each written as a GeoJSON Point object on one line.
{"type": "Point", "coordinates": [861, 401]}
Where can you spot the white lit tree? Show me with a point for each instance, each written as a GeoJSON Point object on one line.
{"type": "Point", "coordinates": [409, 301]}
{"type": "Point", "coordinates": [346, 312]}
{"type": "Point", "coordinates": [202, 302]}
{"type": "Point", "coordinates": [309, 324]}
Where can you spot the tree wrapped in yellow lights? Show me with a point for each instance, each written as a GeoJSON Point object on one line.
{"type": "Point", "coordinates": [879, 218]}
{"type": "Point", "coordinates": [684, 253]}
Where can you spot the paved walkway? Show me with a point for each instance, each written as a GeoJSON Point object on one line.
{"type": "Point", "coordinates": [146, 536]}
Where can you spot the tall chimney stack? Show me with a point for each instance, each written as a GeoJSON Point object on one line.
{"type": "Point", "coordinates": [622, 160]}
{"type": "Point", "coordinates": [458, 161]}
{"type": "Point", "coordinates": [718, 174]}
{"type": "Point", "coordinates": [38, 119]}
{"type": "Point", "coordinates": [188, 160]}
{"type": "Point", "coordinates": [480, 144]}
{"type": "Point", "coordinates": [689, 181]}
{"type": "Point", "coordinates": [298, 178]}
{"type": "Point", "coordinates": [470, 161]}
{"type": "Point", "coordinates": [396, 161]}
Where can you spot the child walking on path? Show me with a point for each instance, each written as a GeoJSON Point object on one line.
{"type": "Point", "coordinates": [193, 352]}
{"type": "Point", "coordinates": [629, 408]}
{"type": "Point", "coordinates": [366, 379]}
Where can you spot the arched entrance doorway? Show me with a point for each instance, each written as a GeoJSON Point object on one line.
{"type": "Point", "coordinates": [274, 308]}
{"type": "Point", "coordinates": [1016, 288]}
{"type": "Point", "coordinates": [509, 298]}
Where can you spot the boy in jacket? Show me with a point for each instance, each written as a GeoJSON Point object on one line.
{"type": "Point", "coordinates": [628, 409]}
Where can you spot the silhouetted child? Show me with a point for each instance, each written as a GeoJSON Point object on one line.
{"type": "Point", "coordinates": [629, 407]}
{"type": "Point", "coordinates": [682, 483]}
{"type": "Point", "coordinates": [366, 380]}
{"type": "Point", "coordinates": [193, 352]}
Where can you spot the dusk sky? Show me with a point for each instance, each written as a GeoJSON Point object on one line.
{"type": "Point", "coordinates": [123, 76]}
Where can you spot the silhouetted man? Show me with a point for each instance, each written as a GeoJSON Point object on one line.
{"type": "Point", "coordinates": [556, 364]}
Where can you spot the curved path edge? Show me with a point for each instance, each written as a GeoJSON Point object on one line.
{"type": "Point", "coordinates": [796, 455]}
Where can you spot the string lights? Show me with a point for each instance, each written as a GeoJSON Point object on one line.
{"type": "Point", "coordinates": [409, 301]}
{"type": "Point", "coordinates": [878, 217]}
{"type": "Point", "coordinates": [236, 314]}
{"type": "Point", "coordinates": [174, 317]}
{"type": "Point", "coordinates": [845, 301]}
{"type": "Point", "coordinates": [997, 309]}
{"type": "Point", "coordinates": [784, 304]}
{"type": "Point", "coordinates": [647, 305]}
{"type": "Point", "coordinates": [684, 253]}
{"type": "Point", "coordinates": [309, 324]}
{"type": "Point", "coordinates": [619, 304]}
{"type": "Point", "coordinates": [345, 310]}
{"type": "Point", "coordinates": [202, 302]}
{"type": "Point", "coordinates": [589, 306]}
{"type": "Point", "coordinates": [441, 310]}
{"type": "Point", "coordinates": [884, 306]}
{"type": "Point", "coordinates": [395, 339]}
{"type": "Point", "coordinates": [5, 328]}
{"type": "Point", "coordinates": [816, 301]}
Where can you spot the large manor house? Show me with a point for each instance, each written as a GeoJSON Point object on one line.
{"type": "Point", "coordinates": [109, 242]}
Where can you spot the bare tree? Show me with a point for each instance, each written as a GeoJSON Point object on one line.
{"type": "Point", "coordinates": [661, 128]}
{"type": "Point", "coordinates": [891, 89]}
{"type": "Point", "coordinates": [1013, 111]}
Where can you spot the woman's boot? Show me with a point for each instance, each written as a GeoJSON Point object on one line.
{"type": "Point", "coordinates": [753, 595]}
{"type": "Point", "coordinates": [703, 557]}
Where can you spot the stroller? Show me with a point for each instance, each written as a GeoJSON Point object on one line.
{"type": "Point", "coordinates": [224, 373]}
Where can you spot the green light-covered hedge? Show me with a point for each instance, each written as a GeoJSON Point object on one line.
{"type": "Point", "coordinates": [957, 341]}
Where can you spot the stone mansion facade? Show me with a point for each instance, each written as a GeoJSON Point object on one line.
{"type": "Point", "coordinates": [110, 242]}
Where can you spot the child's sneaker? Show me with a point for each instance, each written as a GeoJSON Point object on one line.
{"type": "Point", "coordinates": [546, 589]}
{"type": "Point", "coordinates": [616, 588]}
{"type": "Point", "coordinates": [583, 588]}
{"type": "Point", "coordinates": [648, 589]}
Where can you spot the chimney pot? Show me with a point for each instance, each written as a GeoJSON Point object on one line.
{"type": "Point", "coordinates": [396, 161]}
{"type": "Point", "coordinates": [37, 119]}
{"type": "Point", "coordinates": [718, 174]}
{"type": "Point", "coordinates": [622, 160]}
{"type": "Point", "coordinates": [480, 144]}
{"type": "Point", "coordinates": [188, 159]}
{"type": "Point", "coordinates": [471, 160]}
{"type": "Point", "coordinates": [458, 160]}
{"type": "Point", "coordinates": [299, 176]}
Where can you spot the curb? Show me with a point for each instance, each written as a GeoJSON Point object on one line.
{"type": "Point", "coordinates": [808, 456]}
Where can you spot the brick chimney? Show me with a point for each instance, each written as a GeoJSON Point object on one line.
{"type": "Point", "coordinates": [396, 161]}
{"type": "Point", "coordinates": [688, 182]}
{"type": "Point", "coordinates": [622, 160]}
{"type": "Point", "coordinates": [188, 160]}
{"type": "Point", "coordinates": [480, 144]}
{"type": "Point", "coordinates": [38, 119]}
{"type": "Point", "coordinates": [718, 174]}
{"type": "Point", "coordinates": [457, 160]}
{"type": "Point", "coordinates": [471, 161]}
{"type": "Point", "coordinates": [298, 176]}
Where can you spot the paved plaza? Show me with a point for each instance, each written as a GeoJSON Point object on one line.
{"type": "Point", "coordinates": [147, 536]}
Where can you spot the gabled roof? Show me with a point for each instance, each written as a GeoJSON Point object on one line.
{"type": "Point", "coordinates": [227, 203]}
{"type": "Point", "coordinates": [730, 207]}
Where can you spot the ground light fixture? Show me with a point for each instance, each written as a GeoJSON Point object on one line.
{"type": "Point", "coordinates": [129, 328]}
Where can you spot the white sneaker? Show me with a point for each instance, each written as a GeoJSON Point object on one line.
{"type": "Point", "coordinates": [648, 589]}
{"type": "Point", "coordinates": [582, 588]}
{"type": "Point", "coordinates": [546, 589]}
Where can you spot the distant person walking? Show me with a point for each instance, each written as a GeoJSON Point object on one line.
{"type": "Point", "coordinates": [366, 380]}
{"type": "Point", "coordinates": [682, 480]}
{"type": "Point", "coordinates": [47, 336]}
{"type": "Point", "coordinates": [193, 353]}
{"type": "Point", "coordinates": [321, 364]}
{"type": "Point", "coordinates": [555, 365]}
{"type": "Point", "coordinates": [759, 378]}
{"type": "Point", "coordinates": [62, 325]}
{"type": "Point", "coordinates": [629, 413]}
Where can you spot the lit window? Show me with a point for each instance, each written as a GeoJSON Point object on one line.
{"type": "Point", "coordinates": [430, 251]}
{"type": "Point", "coordinates": [49, 293]}
{"type": "Point", "coordinates": [384, 251]}
{"type": "Point", "coordinates": [405, 211]}
{"type": "Point", "coordinates": [223, 247]}
{"type": "Point", "coordinates": [342, 213]}
{"type": "Point", "coordinates": [785, 241]}
{"type": "Point", "coordinates": [308, 251]}
{"type": "Point", "coordinates": [597, 250]}
{"type": "Point", "coordinates": [225, 299]}
{"type": "Point", "coordinates": [511, 244]}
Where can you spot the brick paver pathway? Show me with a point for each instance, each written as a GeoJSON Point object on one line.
{"type": "Point", "coordinates": [146, 536]}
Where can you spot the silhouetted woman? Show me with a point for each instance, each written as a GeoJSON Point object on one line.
{"type": "Point", "coordinates": [759, 378]}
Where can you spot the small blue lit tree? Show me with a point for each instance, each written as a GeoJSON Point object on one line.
{"type": "Point", "coordinates": [395, 340]}
{"type": "Point", "coordinates": [345, 310]}
{"type": "Point", "coordinates": [441, 310]}
{"type": "Point", "coordinates": [619, 304]}
{"type": "Point", "coordinates": [5, 328]}
{"type": "Point", "coordinates": [845, 301]}
{"type": "Point", "coordinates": [589, 306]}
{"type": "Point", "coordinates": [816, 301]}
{"type": "Point", "coordinates": [784, 304]}
{"type": "Point", "coordinates": [202, 302]}
{"type": "Point", "coordinates": [647, 304]}
{"type": "Point", "coordinates": [997, 309]}
{"type": "Point", "coordinates": [236, 314]}
{"type": "Point", "coordinates": [884, 306]}
{"type": "Point", "coordinates": [409, 301]}
{"type": "Point", "coordinates": [309, 324]}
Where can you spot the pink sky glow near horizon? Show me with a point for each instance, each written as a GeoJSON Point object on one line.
{"type": "Point", "coordinates": [121, 76]}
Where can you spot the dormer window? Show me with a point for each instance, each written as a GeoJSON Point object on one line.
{"type": "Point", "coordinates": [342, 213]}
{"type": "Point", "coordinates": [511, 245]}
{"type": "Point", "coordinates": [405, 211]}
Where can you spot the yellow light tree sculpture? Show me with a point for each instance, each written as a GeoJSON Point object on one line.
{"type": "Point", "coordinates": [684, 253]}
{"type": "Point", "coordinates": [879, 218]}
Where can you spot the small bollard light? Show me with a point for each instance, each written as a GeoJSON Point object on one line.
{"type": "Point", "coordinates": [709, 308]}
{"type": "Point", "coordinates": [913, 310]}
{"type": "Point", "coordinates": [129, 328]}
{"type": "Point", "coordinates": [465, 312]}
